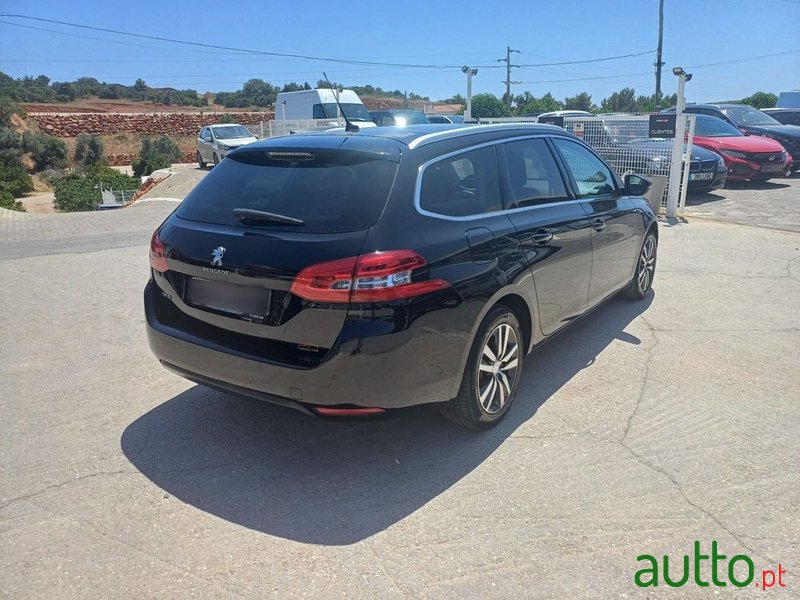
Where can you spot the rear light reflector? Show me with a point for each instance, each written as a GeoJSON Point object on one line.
{"type": "Point", "coordinates": [158, 258]}
{"type": "Point", "coordinates": [375, 277]}
{"type": "Point", "coordinates": [348, 412]}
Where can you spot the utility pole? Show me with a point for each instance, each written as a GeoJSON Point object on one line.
{"type": "Point", "coordinates": [659, 63]}
{"type": "Point", "coordinates": [508, 81]}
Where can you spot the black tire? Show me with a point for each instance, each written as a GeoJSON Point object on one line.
{"type": "Point", "coordinates": [215, 158]}
{"type": "Point", "coordinates": [645, 271]}
{"type": "Point", "coordinates": [502, 376]}
{"type": "Point", "coordinates": [200, 161]}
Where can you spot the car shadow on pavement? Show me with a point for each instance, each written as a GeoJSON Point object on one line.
{"type": "Point", "coordinates": [697, 198]}
{"type": "Point", "coordinates": [772, 184]}
{"type": "Point", "coordinates": [338, 482]}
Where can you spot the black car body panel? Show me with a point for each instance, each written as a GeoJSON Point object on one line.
{"type": "Point", "coordinates": [392, 352]}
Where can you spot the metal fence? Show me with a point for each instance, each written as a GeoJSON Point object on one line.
{"type": "Point", "coordinates": [274, 128]}
{"type": "Point", "coordinates": [111, 198]}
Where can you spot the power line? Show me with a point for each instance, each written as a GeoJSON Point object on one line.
{"type": "Point", "coordinates": [230, 49]}
{"type": "Point", "coordinates": [589, 60]}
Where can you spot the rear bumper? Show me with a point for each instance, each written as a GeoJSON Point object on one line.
{"type": "Point", "coordinates": [373, 368]}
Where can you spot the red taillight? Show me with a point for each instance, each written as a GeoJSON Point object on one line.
{"type": "Point", "coordinates": [158, 259]}
{"type": "Point", "coordinates": [376, 277]}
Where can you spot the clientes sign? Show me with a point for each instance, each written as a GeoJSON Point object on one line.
{"type": "Point", "coordinates": [722, 574]}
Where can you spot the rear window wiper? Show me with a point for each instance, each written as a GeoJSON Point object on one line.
{"type": "Point", "coordinates": [262, 216]}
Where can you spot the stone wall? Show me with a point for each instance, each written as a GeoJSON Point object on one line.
{"type": "Point", "coordinates": [68, 125]}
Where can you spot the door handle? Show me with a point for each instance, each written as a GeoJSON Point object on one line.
{"type": "Point", "coordinates": [541, 236]}
{"type": "Point", "coordinates": [598, 224]}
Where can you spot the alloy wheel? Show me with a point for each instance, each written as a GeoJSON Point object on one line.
{"type": "Point", "coordinates": [647, 264]}
{"type": "Point", "coordinates": [497, 368]}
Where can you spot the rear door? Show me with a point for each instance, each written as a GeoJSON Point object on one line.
{"type": "Point", "coordinates": [615, 219]}
{"type": "Point", "coordinates": [235, 274]}
{"type": "Point", "coordinates": [553, 230]}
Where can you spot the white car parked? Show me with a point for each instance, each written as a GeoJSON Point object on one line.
{"type": "Point", "coordinates": [215, 141]}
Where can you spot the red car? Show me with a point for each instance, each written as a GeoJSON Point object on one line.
{"type": "Point", "coordinates": [746, 156]}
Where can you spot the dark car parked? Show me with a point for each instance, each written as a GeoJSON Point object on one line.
{"type": "Point", "coordinates": [786, 116]}
{"type": "Point", "coordinates": [752, 122]}
{"type": "Point", "coordinates": [383, 118]}
{"type": "Point", "coordinates": [349, 273]}
{"type": "Point", "coordinates": [625, 144]}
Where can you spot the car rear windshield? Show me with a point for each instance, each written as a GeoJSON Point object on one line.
{"type": "Point", "coordinates": [331, 191]}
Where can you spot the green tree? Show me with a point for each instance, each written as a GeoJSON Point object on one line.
{"type": "Point", "coordinates": [15, 180]}
{"type": "Point", "coordinates": [75, 193]}
{"type": "Point", "coordinates": [81, 191]}
{"type": "Point", "coordinates": [89, 150]}
{"type": "Point", "coordinates": [487, 106]}
{"type": "Point", "coordinates": [154, 155]}
{"type": "Point", "coordinates": [761, 100]}
{"type": "Point", "coordinates": [621, 101]}
{"type": "Point", "coordinates": [8, 108]}
{"type": "Point", "coordinates": [11, 147]}
{"type": "Point", "coordinates": [582, 101]}
{"type": "Point", "coordinates": [533, 105]}
{"type": "Point", "coordinates": [7, 201]}
{"type": "Point", "coordinates": [47, 152]}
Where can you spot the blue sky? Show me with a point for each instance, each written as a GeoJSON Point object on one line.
{"type": "Point", "coordinates": [454, 33]}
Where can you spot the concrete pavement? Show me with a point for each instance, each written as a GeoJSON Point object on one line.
{"type": "Point", "coordinates": [645, 427]}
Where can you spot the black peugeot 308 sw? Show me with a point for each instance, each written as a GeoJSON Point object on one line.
{"type": "Point", "coordinates": [349, 273]}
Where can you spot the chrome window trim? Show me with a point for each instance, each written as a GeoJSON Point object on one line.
{"type": "Point", "coordinates": [425, 165]}
{"type": "Point", "coordinates": [473, 129]}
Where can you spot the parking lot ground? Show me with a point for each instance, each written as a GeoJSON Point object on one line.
{"type": "Point", "coordinates": [774, 203]}
{"type": "Point", "coordinates": [643, 428]}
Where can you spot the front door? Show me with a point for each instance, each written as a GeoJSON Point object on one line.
{"type": "Point", "coordinates": [553, 230]}
{"type": "Point", "coordinates": [614, 218]}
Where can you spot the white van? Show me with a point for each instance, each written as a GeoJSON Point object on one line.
{"type": "Point", "coordinates": [321, 104]}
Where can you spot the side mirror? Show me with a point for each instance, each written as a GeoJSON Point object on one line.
{"type": "Point", "coordinates": [636, 185]}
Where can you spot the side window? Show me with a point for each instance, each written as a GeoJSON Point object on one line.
{"type": "Point", "coordinates": [318, 111]}
{"type": "Point", "coordinates": [532, 173]}
{"type": "Point", "coordinates": [591, 174]}
{"type": "Point", "coordinates": [463, 185]}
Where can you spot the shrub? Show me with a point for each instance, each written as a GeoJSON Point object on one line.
{"type": "Point", "coordinates": [147, 166]}
{"type": "Point", "coordinates": [111, 178]}
{"type": "Point", "coordinates": [47, 152]}
{"type": "Point", "coordinates": [11, 148]}
{"type": "Point", "coordinates": [89, 150]}
{"type": "Point", "coordinates": [154, 155]}
{"type": "Point", "coordinates": [81, 191]}
{"type": "Point", "coordinates": [75, 193]}
{"type": "Point", "coordinates": [7, 201]}
{"type": "Point", "coordinates": [14, 180]}
{"type": "Point", "coordinates": [8, 108]}
{"type": "Point", "coordinates": [52, 176]}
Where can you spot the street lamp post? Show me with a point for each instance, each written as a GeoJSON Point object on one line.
{"type": "Point", "coordinates": [677, 146]}
{"type": "Point", "coordinates": [469, 73]}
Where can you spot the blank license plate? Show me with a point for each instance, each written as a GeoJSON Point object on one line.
{"type": "Point", "coordinates": [241, 301]}
{"type": "Point", "coordinates": [700, 176]}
